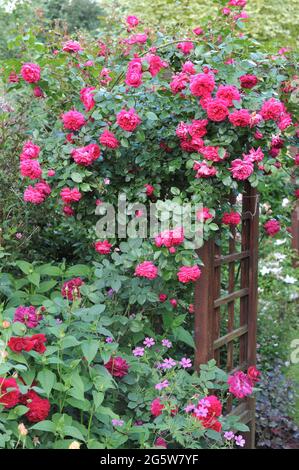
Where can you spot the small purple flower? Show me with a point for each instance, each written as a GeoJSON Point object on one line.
{"type": "Point", "coordinates": [162, 385]}
{"type": "Point", "coordinates": [149, 342]}
{"type": "Point", "coordinates": [117, 422]}
{"type": "Point", "coordinates": [168, 363]}
{"type": "Point", "coordinates": [239, 440]}
{"type": "Point", "coordinates": [138, 351]}
{"type": "Point", "coordinates": [186, 363]}
{"type": "Point", "coordinates": [229, 435]}
{"type": "Point", "coordinates": [166, 343]}
{"type": "Point", "coordinates": [110, 292]}
{"type": "Point", "coordinates": [109, 339]}
{"type": "Point", "coordinates": [201, 411]}
{"type": "Point", "coordinates": [106, 181]}
{"type": "Point", "coordinates": [189, 408]}
{"type": "Point", "coordinates": [58, 321]}
{"type": "Point", "coordinates": [27, 315]}
{"type": "Point", "coordinates": [19, 236]}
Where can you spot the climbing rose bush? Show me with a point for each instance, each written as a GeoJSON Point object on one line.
{"type": "Point", "coordinates": [108, 358]}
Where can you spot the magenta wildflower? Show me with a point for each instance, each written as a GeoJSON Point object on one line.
{"type": "Point", "coordinates": [239, 441]}
{"type": "Point", "coordinates": [149, 342]}
{"type": "Point", "coordinates": [162, 385]}
{"type": "Point", "coordinates": [166, 343]}
{"type": "Point", "coordinates": [185, 363]}
{"type": "Point", "coordinates": [168, 363]}
{"type": "Point", "coordinates": [229, 435]}
{"type": "Point", "coordinates": [138, 351]}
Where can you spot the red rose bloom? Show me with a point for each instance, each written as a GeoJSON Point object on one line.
{"type": "Point", "coordinates": [156, 407]}
{"type": "Point", "coordinates": [240, 118]}
{"type": "Point", "coordinates": [39, 341]}
{"type": "Point", "coordinates": [217, 109]}
{"type": "Point", "coordinates": [70, 289]}
{"type": "Point", "coordinates": [248, 81]}
{"type": "Point", "coordinates": [39, 408]}
{"type": "Point", "coordinates": [253, 374]}
{"type": "Point", "coordinates": [18, 344]}
{"type": "Point", "coordinates": [109, 140]}
{"type": "Point", "coordinates": [10, 398]}
{"type": "Point", "coordinates": [231, 218]}
{"type": "Point", "coordinates": [117, 366]}
{"type": "Point", "coordinates": [272, 227]}
{"type": "Point", "coordinates": [104, 247]}
{"type": "Point", "coordinates": [30, 72]}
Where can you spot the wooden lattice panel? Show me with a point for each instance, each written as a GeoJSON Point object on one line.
{"type": "Point", "coordinates": [224, 330]}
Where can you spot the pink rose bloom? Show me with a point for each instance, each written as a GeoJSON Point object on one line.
{"type": "Point", "coordinates": [72, 46]}
{"type": "Point", "coordinates": [211, 153]}
{"type": "Point", "coordinates": [160, 442]}
{"type": "Point", "coordinates": [87, 97]}
{"type": "Point", "coordinates": [285, 120]}
{"type": "Point", "coordinates": [27, 315]}
{"type": "Point", "coordinates": [43, 188]}
{"type": "Point", "coordinates": [228, 93]}
{"type": "Point", "coordinates": [103, 247]}
{"type": "Point", "coordinates": [156, 407]}
{"type": "Point", "coordinates": [188, 274]}
{"type": "Point", "coordinates": [132, 21]}
{"type": "Point", "coordinates": [272, 109]}
{"type": "Point", "coordinates": [139, 38]}
{"type": "Point", "coordinates": [254, 155]}
{"type": "Point", "coordinates": [248, 81]}
{"type": "Point", "coordinates": [30, 72]}
{"type": "Point", "coordinates": [109, 140]}
{"type": "Point", "coordinates": [217, 109]}
{"type": "Point", "coordinates": [149, 189]}
{"type": "Point", "coordinates": [203, 214]}
{"type": "Point", "coordinates": [189, 67]}
{"type": "Point", "coordinates": [179, 82]}
{"type": "Point", "coordinates": [134, 73]}
{"type": "Point", "coordinates": [30, 150]}
{"type": "Point", "coordinates": [240, 118]}
{"type": "Point", "coordinates": [226, 11]}
{"type": "Point", "coordinates": [204, 170]}
{"type": "Point", "coordinates": [198, 31]}
{"type": "Point", "coordinates": [51, 173]}
{"type": "Point", "coordinates": [197, 128]}
{"type": "Point", "coordinates": [69, 195]}
{"type": "Point", "coordinates": [104, 76]}
{"type": "Point", "coordinates": [202, 84]}
{"type": "Point", "coordinates": [38, 92]}
{"type": "Point", "coordinates": [182, 130]}
{"type": "Point", "coordinates": [185, 47]}
{"type": "Point", "coordinates": [162, 297]}
{"type": "Point", "coordinates": [155, 64]}
{"type": "Point", "coordinates": [272, 227]}
{"type": "Point", "coordinates": [128, 120]}
{"type": "Point", "coordinates": [146, 269]}
{"type": "Point", "coordinates": [33, 195]}
{"type": "Point", "coordinates": [73, 120]}
{"type": "Point", "coordinates": [31, 169]}
{"type": "Point", "coordinates": [170, 238]}
{"type": "Point", "coordinates": [239, 384]}
{"type": "Point", "coordinates": [13, 77]}
{"type": "Point", "coordinates": [237, 3]}
{"type": "Point", "coordinates": [253, 374]}
{"type": "Point", "coordinates": [86, 155]}
{"type": "Point", "coordinates": [296, 159]}
{"type": "Point", "coordinates": [68, 211]}
{"type": "Point", "coordinates": [258, 135]}
{"type": "Point", "coordinates": [231, 218]}
{"type": "Point", "coordinates": [241, 169]}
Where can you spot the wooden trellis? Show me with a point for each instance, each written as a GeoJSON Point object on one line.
{"type": "Point", "coordinates": [224, 330]}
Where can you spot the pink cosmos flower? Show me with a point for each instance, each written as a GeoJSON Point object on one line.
{"type": "Point", "coordinates": [87, 97]}
{"type": "Point", "coordinates": [185, 47]}
{"type": "Point", "coordinates": [186, 363]}
{"type": "Point", "coordinates": [239, 384]}
{"type": "Point", "coordinates": [272, 227]}
{"type": "Point", "coordinates": [228, 93]}
{"type": "Point", "coordinates": [29, 150]}
{"type": "Point", "coordinates": [217, 109]}
{"type": "Point", "coordinates": [69, 195]}
{"type": "Point", "coordinates": [241, 169]}
{"type": "Point", "coordinates": [149, 342]}
{"type": "Point", "coordinates": [72, 46]}
{"type": "Point", "coordinates": [27, 315]}
{"type": "Point", "coordinates": [132, 21]}
{"type": "Point", "coordinates": [231, 218]}
{"type": "Point", "coordinates": [202, 84]}
{"type": "Point", "coordinates": [138, 352]}
{"type": "Point", "coordinates": [128, 120]}
{"type": "Point", "coordinates": [30, 72]}
{"type": "Point", "coordinates": [146, 269]}
{"type": "Point", "coordinates": [240, 118]}
{"type": "Point", "coordinates": [86, 155]}
{"type": "Point", "coordinates": [108, 139]}
{"type": "Point", "coordinates": [162, 385]}
{"type": "Point", "coordinates": [239, 441]}
{"type": "Point", "coordinates": [103, 247]}
{"type": "Point", "coordinates": [31, 169]}
{"type": "Point", "coordinates": [188, 274]}
{"type": "Point", "coordinates": [166, 343]}
{"type": "Point", "coordinates": [73, 120]}
{"type": "Point", "coordinates": [271, 109]}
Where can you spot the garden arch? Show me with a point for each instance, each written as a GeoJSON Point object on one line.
{"type": "Point", "coordinates": [224, 330]}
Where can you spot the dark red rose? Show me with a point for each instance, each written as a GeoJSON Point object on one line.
{"type": "Point", "coordinates": [253, 374]}
{"type": "Point", "coordinates": [10, 398]}
{"type": "Point", "coordinates": [39, 408]}
{"type": "Point", "coordinates": [117, 366]}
